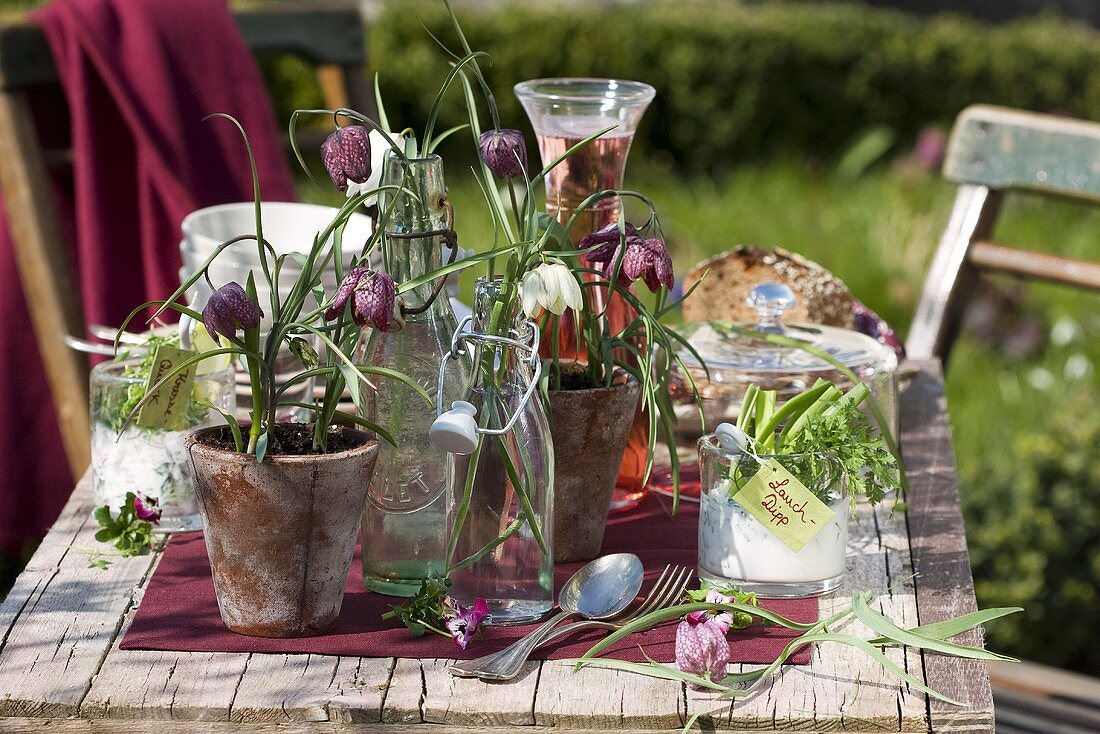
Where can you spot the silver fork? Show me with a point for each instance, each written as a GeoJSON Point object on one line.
{"type": "Point", "coordinates": [506, 664]}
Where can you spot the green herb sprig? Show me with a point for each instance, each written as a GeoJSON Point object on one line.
{"type": "Point", "coordinates": [741, 619]}
{"type": "Point", "coordinates": [129, 534]}
{"type": "Point", "coordinates": [817, 422]}
{"type": "Point", "coordinates": [423, 612]}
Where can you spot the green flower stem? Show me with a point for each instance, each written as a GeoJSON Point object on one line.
{"type": "Point", "coordinates": [252, 343]}
{"type": "Point", "coordinates": [523, 495]}
{"type": "Point", "coordinates": [488, 548]}
{"type": "Point", "coordinates": [654, 618]}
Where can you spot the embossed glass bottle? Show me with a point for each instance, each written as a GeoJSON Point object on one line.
{"type": "Point", "coordinates": [404, 522]}
{"type": "Point", "coordinates": [502, 495]}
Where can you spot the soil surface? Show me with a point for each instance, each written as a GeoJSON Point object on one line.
{"type": "Point", "coordinates": [292, 439]}
{"type": "Point", "coordinates": [574, 376]}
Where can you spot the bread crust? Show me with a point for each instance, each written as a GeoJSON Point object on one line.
{"type": "Point", "coordinates": [822, 298]}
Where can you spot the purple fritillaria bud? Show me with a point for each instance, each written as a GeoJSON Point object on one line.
{"type": "Point", "coordinates": [701, 648]}
{"type": "Point", "coordinates": [147, 508]}
{"type": "Point", "coordinates": [609, 239]}
{"type": "Point", "coordinates": [372, 296]}
{"type": "Point", "coordinates": [229, 308]}
{"type": "Point", "coordinates": [372, 302]}
{"type": "Point", "coordinates": [346, 153]}
{"type": "Point", "coordinates": [660, 272]}
{"type": "Point", "coordinates": [343, 293]}
{"type": "Point", "coordinates": [464, 622]}
{"type": "Point", "coordinates": [504, 152]}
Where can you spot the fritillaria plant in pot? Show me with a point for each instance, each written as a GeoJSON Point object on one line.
{"type": "Point", "coordinates": [592, 386]}
{"type": "Point", "coordinates": [280, 502]}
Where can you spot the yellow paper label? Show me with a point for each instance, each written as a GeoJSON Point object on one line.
{"type": "Point", "coordinates": [784, 506]}
{"type": "Point", "coordinates": [167, 407]}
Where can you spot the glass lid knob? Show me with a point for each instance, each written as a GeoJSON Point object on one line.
{"type": "Point", "coordinates": [770, 301]}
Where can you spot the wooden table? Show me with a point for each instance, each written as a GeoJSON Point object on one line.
{"type": "Point", "coordinates": [61, 669]}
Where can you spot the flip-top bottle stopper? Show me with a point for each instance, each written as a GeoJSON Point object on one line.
{"type": "Point", "coordinates": [732, 438]}
{"type": "Point", "coordinates": [455, 431]}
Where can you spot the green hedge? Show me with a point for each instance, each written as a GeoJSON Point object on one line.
{"type": "Point", "coordinates": [1032, 512]}
{"type": "Point", "coordinates": [737, 81]}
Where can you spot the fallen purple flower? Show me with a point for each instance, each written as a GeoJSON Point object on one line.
{"type": "Point", "coordinates": [147, 508]}
{"type": "Point", "coordinates": [701, 648]}
{"type": "Point", "coordinates": [464, 622]}
{"type": "Point", "coordinates": [724, 620]}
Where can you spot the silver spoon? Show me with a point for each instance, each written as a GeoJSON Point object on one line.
{"type": "Point", "coordinates": [600, 590]}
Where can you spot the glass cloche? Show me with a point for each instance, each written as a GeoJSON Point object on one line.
{"type": "Point", "coordinates": [735, 361]}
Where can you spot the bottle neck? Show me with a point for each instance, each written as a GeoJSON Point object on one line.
{"type": "Point", "coordinates": [418, 208]}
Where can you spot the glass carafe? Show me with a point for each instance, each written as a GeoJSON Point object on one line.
{"type": "Point", "coordinates": [404, 533]}
{"type": "Point", "coordinates": [563, 112]}
{"type": "Point", "coordinates": [501, 495]}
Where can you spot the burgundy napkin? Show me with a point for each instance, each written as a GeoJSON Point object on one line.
{"type": "Point", "coordinates": [180, 612]}
{"type": "Point", "coordinates": [138, 77]}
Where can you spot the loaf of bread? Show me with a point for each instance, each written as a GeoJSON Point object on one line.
{"type": "Point", "coordinates": [822, 298]}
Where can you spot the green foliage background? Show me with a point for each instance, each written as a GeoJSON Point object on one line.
{"type": "Point", "coordinates": [748, 80]}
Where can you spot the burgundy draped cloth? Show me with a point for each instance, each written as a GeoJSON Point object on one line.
{"type": "Point", "coordinates": [138, 76]}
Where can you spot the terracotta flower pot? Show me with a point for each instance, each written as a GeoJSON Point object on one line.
{"type": "Point", "coordinates": [590, 429]}
{"type": "Point", "coordinates": [280, 535]}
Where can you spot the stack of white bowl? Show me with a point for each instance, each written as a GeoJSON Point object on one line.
{"type": "Point", "coordinates": [289, 228]}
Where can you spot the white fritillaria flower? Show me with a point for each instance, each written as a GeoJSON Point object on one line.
{"type": "Point", "coordinates": [551, 286]}
{"type": "Point", "coordinates": [379, 146]}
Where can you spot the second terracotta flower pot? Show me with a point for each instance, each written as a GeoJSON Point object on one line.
{"type": "Point", "coordinates": [590, 429]}
{"type": "Point", "coordinates": [280, 535]}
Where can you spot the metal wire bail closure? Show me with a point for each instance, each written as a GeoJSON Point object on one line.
{"type": "Point", "coordinates": [455, 430]}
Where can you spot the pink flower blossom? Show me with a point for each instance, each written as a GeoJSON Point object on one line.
{"type": "Point", "coordinates": [464, 622]}
{"type": "Point", "coordinates": [147, 508]}
{"type": "Point", "coordinates": [701, 648]}
{"type": "Point", "coordinates": [723, 619]}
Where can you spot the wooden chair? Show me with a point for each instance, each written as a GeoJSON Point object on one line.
{"type": "Point", "coordinates": [991, 151]}
{"type": "Point", "coordinates": [329, 37]}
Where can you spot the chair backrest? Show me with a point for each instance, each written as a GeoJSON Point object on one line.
{"type": "Point", "coordinates": [330, 37]}
{"type": "Point", "coordinates": [992, 151]}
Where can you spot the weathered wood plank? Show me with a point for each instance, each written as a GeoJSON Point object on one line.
{"type": "Point", "coordinates": [66, 627]}
{"type": "Point", "coordinates": [944, 584]}
{"type": "Point", "coordinates": [359, 688]}
{"type": "Point", "coordinates": [99, 726]}
{"type": "Point", "coordinates": [607, 699]}
{"type": "Point", "coordinates": [405, 693]}
{"type": "Point", "coordinates": [472, 702]}
{"type": "Point", "coordinates": [144, 684]}
{"type": "Point", "coordinates": [284, 688]}
{"type": "Point", "coordinates": [278, 688]}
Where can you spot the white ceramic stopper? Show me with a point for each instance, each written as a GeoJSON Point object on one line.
{"type": "Point", "coordinates": [731, 437]}
{"type": "Point", "coordinates": [455, 431]}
